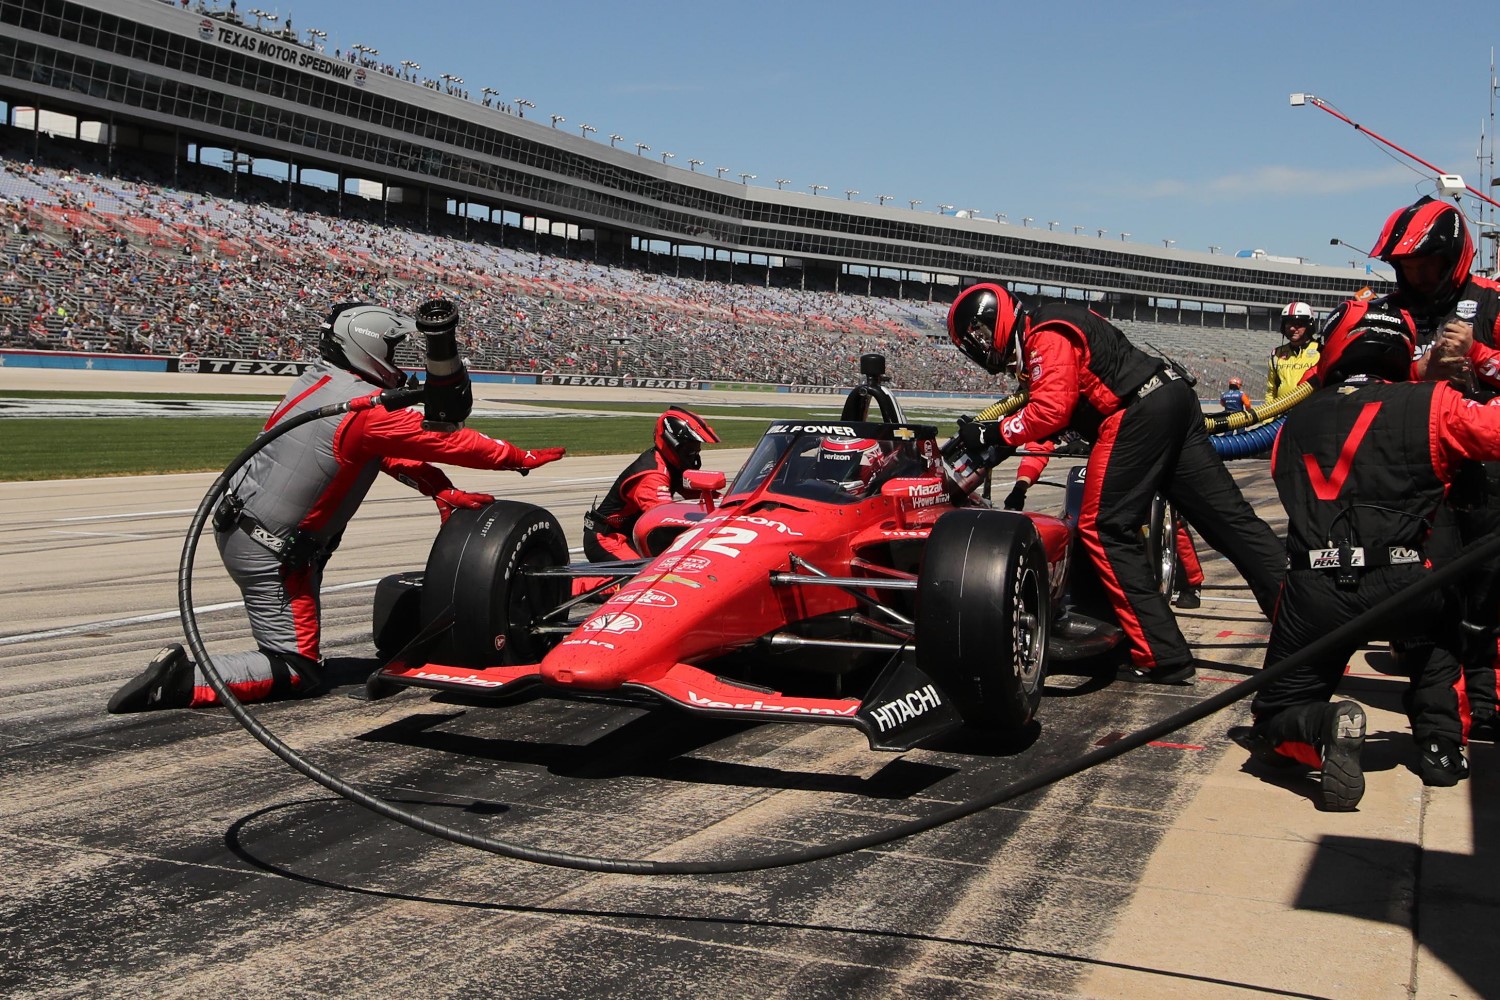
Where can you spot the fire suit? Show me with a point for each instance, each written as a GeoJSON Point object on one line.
{"type": "Point", "coordinates": [1290, 363]}
{"type": "Point", "coordinates": [1478, 303]}
{"type": "Point", "coordinates": [1148, 437]}
{"type": "Point", "coordinates": [1035, 463]}
{"type": "Point", "coordinates": [296, 495]}
{"type": "Point", "coordinates": [645, 483]}
{"type": "Point", "coordinates": [1234, 401]}
{"type": "Point", "coordinates": [1367, 464]}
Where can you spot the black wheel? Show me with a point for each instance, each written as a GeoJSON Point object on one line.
{"type": "Point", "coordinates": [1161, 544]}
{"type": "Point", "coordinates": [983, 609]}
{"type": "Point", "coordinates": [478, 568]}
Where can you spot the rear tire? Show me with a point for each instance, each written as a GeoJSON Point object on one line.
{"type": "Point", "coordinates": [983, 612]}
{"type": "Point", "coordinates": [1161, 544]}
{"type": "Point", "coordinates": [478, 568]}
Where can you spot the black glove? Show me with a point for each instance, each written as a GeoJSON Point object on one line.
{"type": "Point", "coordinates": [1016, 499]}
{"type": "Point", "coordinates": [977, 435]}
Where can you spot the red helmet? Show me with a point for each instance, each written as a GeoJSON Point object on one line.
{"type": "Point", "coordinates": [681, 435]}
{"type": "Point", "coordinates": [983, 323]}
{"type": "Point", "coordinates": [1428, 228]}
{"type": "Point", "coordinates": [1366, 338]}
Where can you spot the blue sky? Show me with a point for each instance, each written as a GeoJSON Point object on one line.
{"type": "Point", "coordinates": [1166, 121]}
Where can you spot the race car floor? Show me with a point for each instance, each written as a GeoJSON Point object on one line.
{"type": "Point", "coordinates": [170, 854]}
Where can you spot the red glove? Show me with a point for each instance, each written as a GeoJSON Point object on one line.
{"type": "Point", "coordinates": [527, 459]}
{"type": "Point", "coordinates": [450, 500]}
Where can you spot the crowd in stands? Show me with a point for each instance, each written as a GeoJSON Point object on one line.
{"type": "Point", "coordinates": [124, 260]}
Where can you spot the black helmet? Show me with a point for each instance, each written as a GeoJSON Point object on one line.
{"type": "Point", "coordinates": [983, 323]}
{"type": "Point", "coordinates": [362, 338]}
{"type": "Point", "coordinates": [1428, 228]}
{"type": "Point", "coordinates": [1366, 338]}
{"type": "Point", "coordinates": [681, 435]}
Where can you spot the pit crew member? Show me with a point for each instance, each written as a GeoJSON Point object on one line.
{"type": "Point", "coordinates": [1146, 426]}
{"type": "Point", "coordinates": [652, 479]}
{"type": "Point", "coordinates": [1362, 466]}
{"type": "Point", "coordinates": [286, 510]}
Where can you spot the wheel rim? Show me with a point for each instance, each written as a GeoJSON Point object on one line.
{"type": "Point", "coordinates": [1028, 638]}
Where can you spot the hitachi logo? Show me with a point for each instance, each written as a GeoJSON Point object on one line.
{"type": "Point", "coordinates": [904, 709]}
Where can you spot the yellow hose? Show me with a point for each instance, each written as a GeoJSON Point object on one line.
{"type": "Point", "coordinates": [1252, 415]}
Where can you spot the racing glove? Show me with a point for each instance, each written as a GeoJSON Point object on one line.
{"type": "Point", "coordinates": [451, 499]}
{"type": "Point", "coordinates": [978, 435]}
{"type": "Point", "coordinates": [1016, 498]}
{"type": "Point", "coordinates": [523, 460]}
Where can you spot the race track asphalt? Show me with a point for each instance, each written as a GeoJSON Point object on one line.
{"type": "Point", "coordinates": [169, 854]}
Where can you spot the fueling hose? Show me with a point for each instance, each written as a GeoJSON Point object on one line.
{"type": "Point", "coordinates": [1250, 416]}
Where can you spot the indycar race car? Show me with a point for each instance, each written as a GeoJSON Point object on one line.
{"type": "Point", "coordinates": [847, 575]}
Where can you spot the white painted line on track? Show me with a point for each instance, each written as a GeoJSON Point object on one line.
{"type": "Point", "coordinates": [125, 517]}
{"type": "Point", "coordinates": [11, 640]}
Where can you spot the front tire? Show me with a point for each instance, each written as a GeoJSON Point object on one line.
{"type": "Point", "coordinates": [983, 611]}
{"type": "Point", "coordinates": [478, 567]}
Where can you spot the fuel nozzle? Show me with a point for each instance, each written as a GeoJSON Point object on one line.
{"type": "Point", "coordinates": [448, 396]}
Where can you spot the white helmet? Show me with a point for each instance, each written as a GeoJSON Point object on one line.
{"type": "Point", "coordinates": [362, 338]}
{"type": "Point", "coordinates": [1296, 311]}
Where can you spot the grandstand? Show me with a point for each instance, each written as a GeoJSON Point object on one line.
{"type": "Point", "coordinates": [134, 242]}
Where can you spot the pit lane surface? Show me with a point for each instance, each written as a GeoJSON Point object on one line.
{"type": "Point", "coordinates": [169, 854]}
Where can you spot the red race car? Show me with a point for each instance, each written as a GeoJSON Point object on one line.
{"type": "Point", "coordinates": [848, 575]}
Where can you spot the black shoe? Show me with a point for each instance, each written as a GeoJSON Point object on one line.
{"type": "Point", "coordinates": [1260, 748]}
{"type": "Point", "coordinates": [1182, 674]}
{"type": "Point", "coordinates": [167, 682]}
{"type": "Point", "coordinates": [1442, 762]}
{"type": "Point", "coordinates": [1343, 735]}
{"type": "Point", "coordinates": [1188, 599]}
{"type": "Point", "coordinates": [1486, 729]}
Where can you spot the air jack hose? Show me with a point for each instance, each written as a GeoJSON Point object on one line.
{"type": "Point", "coordinates": [1476, 554]}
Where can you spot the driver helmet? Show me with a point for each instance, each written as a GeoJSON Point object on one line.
{"type": "Point", "coordinates": [985, 323]}
{"type": "Point", "coordinates": [1296, 313]}
{"type": "Point", "coordinates": [848, 461]}
{"type": "Point", "coordinates": [1428, 228]}
{"type": "Point", "coordinates": [362, 338]}
{"type": "Point", "coordinates": [680, 437]}
{"type": "Point", "coordinates": [1366, 338]}
{"type": "Point", "coordinates": [1235, 382]}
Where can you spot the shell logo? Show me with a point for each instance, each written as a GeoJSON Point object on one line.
{"type": "Point", "coordinates": [614, 623]}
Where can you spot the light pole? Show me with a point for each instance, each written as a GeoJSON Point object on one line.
{"type": "Point", "coordinates": [914, 202]}
{"type": "Point", "coordinates": [414, 67]}
{"type": "Point", "coordinates": [666, 156]}
{"type": "Point", "coordinates": [1077, 230]}
{"type": "Point", "coordinates": [1213, 249]}
{"type": "Point", "coordinates": [721, 171]}
{"type": "Point", "coordinates": [693, 165]}
{"type": "Point", "coordinates": [556, 119]}
{"type": "Point", "coordinates": [451, 80]}
{"type": "Point", "coordinates": [883, 198]}
{"type": "Point", "coordinates": [1168, 243]}
{"type": "Point", "coordinates": [523, 104]}
{"type": "Point", "coordinates": [584, 130]}
{"type": "Point", "coordinates": [1052, 226]}
{"type": "Point", "coordinates": [746, 178]}
{"type": "Point", "coordinates": [615, 137]}
{"type": "Point", "coordinates": [1101, 233]}
{"type": "Point", "coordinates": [944, 208]}
{"type": "Point", "coordinates": [315, 37]}
{"type": "Point", "coordinates": [261, 15]}
{"type": "Point", "coordinates": [1123, 237]}
{"type": "Point", "coordinates": [641, 147]}
{"type": "Point", "coordinates": [817, 187]}
{"type": "Point", "coordinates": [365, 50]}
{"type": "Point", "coordinates": [849, 194]}
{"type": "Point", "coordinates": [1001, 217]}
{"type": "Point", "coordinates": [781, 181]}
